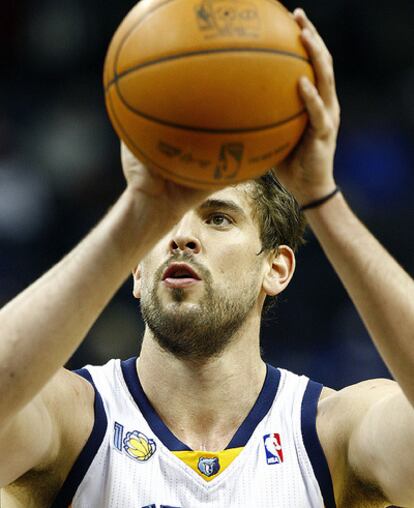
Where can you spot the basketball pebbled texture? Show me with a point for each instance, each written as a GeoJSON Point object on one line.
{"type": "Point", "coordinates": [206, 92]}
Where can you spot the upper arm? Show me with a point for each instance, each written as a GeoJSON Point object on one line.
{"type": "Point", "coordinates": [370, 428]}
{"type": "Point", "coordinates": [381, 445]}
{"type": "Point", "coordinates": [34, 437]}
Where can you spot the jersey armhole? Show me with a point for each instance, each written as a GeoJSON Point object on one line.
{"type": "Point", "coordinates": [312, 444]}
{"type": "Point", "coordinates": [86, 456]}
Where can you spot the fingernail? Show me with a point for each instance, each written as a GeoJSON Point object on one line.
{"type": "Point", "coordinates": [306, 84]}
{"type": "Point", "coordinates": [299, 11]}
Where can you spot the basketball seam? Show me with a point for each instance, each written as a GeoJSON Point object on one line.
{"type": "Point", "coordinates": [280, 52]}
{"type": "Point", "coordinates": [162, 169]}
{"type": "Point", "coordinates": [136, 25]}
{"type": "Point", "coordinates": [143, 18]}
{"type": "Point", "coordinates": [208, 130]}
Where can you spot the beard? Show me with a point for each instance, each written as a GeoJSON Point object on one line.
{"type": "Point", "coordinates": [199, 331]}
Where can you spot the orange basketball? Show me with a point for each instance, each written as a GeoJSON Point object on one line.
{"type": "Point", "coordinates": [205, 92]}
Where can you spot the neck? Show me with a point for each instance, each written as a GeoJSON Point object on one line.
{"type": "Point", "coordinates": [203, 403]}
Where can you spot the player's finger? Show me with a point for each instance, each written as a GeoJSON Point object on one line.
{"type": "Point", "coordinates": [323, 67]}
{"type": "Point", "coordinates": [318, 116]}
{"type": "Point", "coordinates": [322, 62]}
{"type": "Point", "coordinates": [304, 22]}
{"type": "Point", "coordinates": [320, 55]}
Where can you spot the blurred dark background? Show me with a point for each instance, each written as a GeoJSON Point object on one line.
{"type": "Point", "coordinates": [60, 169]}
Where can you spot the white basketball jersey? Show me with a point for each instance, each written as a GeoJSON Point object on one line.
{"type": "Point", "coordinates": [132, 460]}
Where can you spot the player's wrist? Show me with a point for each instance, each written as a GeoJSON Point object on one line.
{"type": "Point", "coordinates": [318, 202]}
{"type": "Point", "coordinates": [312, 193]}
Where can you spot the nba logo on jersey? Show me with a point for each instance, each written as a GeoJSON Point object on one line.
{"type": "Point", "coordinates": [273, 448]}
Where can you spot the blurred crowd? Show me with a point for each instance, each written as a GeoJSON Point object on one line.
{"type": "Point", "coordinates": [60, 169]}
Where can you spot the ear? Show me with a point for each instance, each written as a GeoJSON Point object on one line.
{"type": "Point", "coordinates": [136, 273]}
{"type": "Point", "coordinates": [280, 270]}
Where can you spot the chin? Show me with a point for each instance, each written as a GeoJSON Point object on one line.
{"type": "Point", "coordinates": [180, 297]}
{"type": "Point", "coordinates": [184, 308]}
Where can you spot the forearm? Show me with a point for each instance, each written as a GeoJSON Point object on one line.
{"type": "Point", "coordinates": [381, 290]}
{"type": "Point", "coordinates": [42, 327]}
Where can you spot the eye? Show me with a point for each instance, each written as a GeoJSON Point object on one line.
{"type": "Point", "coordinates": [219, 219]}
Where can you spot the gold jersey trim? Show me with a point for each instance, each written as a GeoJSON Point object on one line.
{"type": "Point", "coordinates": [195, 459]}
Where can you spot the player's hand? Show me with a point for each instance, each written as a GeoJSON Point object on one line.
{"type": "Point", "coordinates": [308, 171]}
{"type": "Point", "coordinates": [174, 199]}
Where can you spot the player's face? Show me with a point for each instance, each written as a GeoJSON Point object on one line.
{"type": "Point", "coordinates": [200, 282]}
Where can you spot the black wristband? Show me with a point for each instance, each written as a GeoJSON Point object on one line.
{"type": "Point", "coordinates": [320, 201]}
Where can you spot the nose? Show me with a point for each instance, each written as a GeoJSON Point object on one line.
{"type": "Point", "coordinates": [183, 239]}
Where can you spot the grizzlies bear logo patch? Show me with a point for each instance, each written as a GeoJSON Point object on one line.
{"type": "Point", "coordinates": [208, 466]}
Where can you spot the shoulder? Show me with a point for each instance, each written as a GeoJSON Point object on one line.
{"type": "Point", "coordinates": [340, 414]}
{"type": "Point", "coordinates": [69, 400]}
{"type": "Point", "coordinates": [62, 415]}
{"type": "Point", "coordinates": [343, 408]}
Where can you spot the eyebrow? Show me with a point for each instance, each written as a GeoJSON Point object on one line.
{"type": "Point", "coordinates": [223, 204]}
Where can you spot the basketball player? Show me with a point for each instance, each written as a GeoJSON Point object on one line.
{"type": "Point", "coordinates": [199, 419]}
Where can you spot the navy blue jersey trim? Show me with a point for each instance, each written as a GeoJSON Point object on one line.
{"type": "Point", "coordinates": [312, 443]}
{"type": "Point", "coordinates": [259, 410]}
{"type": "Point", "coordinates": [86, 456]}
{"type": "Point", "coordinates": [159, 428]}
